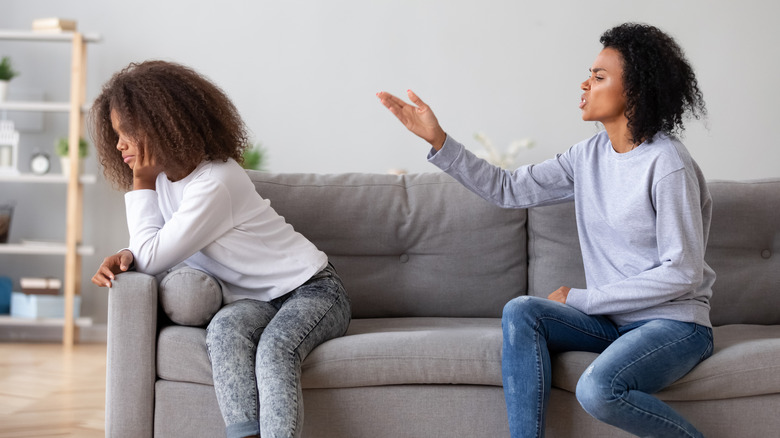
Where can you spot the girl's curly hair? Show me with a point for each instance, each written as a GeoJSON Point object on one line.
{"type": "Point", "coordinates": [170, 110]}
{"type": "Point", "coordinates": [660, 85]}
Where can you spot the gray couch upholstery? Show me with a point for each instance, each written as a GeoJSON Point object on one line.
{"type": "Point", "coordinates": [429, 266]}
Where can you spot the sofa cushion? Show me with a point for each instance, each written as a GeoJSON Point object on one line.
{"type": "Point", "coordinates": [410, 245]}
{"type": "Point", "coordinates": [384, 351]}
{"type": "Point", "coordinates": [743, 363]}
{"type": "Point", "coordinates": [190, 296]}
{"type": "Point", "coordinates": [554, 254]}
{"type": "Point", "coordinates": [744, 251]}
{"type": "Point", "coordinates": [399, 351]}
{"type": "Point", "coordinates": [182, 355]}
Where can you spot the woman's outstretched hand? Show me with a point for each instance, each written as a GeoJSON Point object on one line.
{"type": "Point", "coordinates": [418, 119]}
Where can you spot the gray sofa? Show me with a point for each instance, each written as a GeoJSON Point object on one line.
{"type": "Point", "coordinates": [429, 266]}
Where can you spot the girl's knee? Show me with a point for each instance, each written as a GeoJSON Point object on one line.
{"type": "Point", "coordinates": [276, 354]}
{"type": "Point", "coordinates": [230, 328]}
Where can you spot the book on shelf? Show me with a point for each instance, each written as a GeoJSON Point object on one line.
{"type": "Point", "coordinates": [53, 25]}
{"type": "Point", "coordinates": [40, 286]}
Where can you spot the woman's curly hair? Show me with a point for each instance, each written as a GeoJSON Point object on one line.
{"type": "Point", "coordinates": [174, 113]}
{"type": "Point", "coordinates": [660, 85]}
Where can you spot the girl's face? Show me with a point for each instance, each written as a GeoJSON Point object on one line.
{"type": "Point", "coordinates": [604, 98]}
{"type": "Point", "coordinates": [125, 144]}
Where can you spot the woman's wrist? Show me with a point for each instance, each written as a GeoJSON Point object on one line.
{"type": "Point", "coordinates": [438, 140]}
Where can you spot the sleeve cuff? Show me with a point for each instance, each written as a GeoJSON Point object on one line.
{"type": "Point", "coordinates": [445, 157]}
{"type": "Point", "coordinates": [578, 298]}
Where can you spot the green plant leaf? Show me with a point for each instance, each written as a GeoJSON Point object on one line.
{"type": "Point", "coordinates": [61, 147]}
{"type": "Point", "coordinates": [6, 72]}
{"type": "Point", "coordinates": [254, 157]}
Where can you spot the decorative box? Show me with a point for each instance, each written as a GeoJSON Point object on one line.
{"type": "Point", "coordinates": [41, 306]}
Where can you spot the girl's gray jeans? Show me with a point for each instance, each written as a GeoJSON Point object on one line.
{"type": "Point", "coordinates": [256, 349]}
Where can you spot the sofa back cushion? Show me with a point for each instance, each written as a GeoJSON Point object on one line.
{"type": "Point", "coordinates": [743, 249]}
{"type": "Point", "coordinates": [554, 254]}
{"type": "Point", "coordinates": [410, 245]}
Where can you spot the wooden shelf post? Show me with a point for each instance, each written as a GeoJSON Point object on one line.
{"type": "Point", "coordinates": [73, 221]}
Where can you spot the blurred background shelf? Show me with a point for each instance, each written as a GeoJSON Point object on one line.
{"type": "Point", "coordinates": [53, 107]}
{"type": "Point", "coordinates": [56, 178]}
{"type": "Point", "coordinates": [27, 35]}
{"type": "Point", "coordinates": [8, 320]}
{"type": "Point", "coordinates": [43, 248]}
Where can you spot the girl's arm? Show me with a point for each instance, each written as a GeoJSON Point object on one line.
{"type": "Point", "coordinates": [204, 214]}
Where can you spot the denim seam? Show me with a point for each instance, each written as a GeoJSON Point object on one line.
{"type": "Point", "coordinates": [540, 408]}
{"type": "Point", "coordinates": [319, 320]}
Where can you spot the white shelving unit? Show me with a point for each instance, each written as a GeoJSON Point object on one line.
{"type": "Point", "coordinates": [72, 248]}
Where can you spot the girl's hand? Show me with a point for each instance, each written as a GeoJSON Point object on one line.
{"type": "Point", "coordinates": [560, 294]}
{"type": "Point", "coordinates": [145, 170]}
{"type": "Point", "coordinates": [420, 119]}
{"type": "Point", "coordinates": [112, 265]}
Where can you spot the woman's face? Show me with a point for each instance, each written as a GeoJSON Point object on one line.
{"type": "Point", "coordinates": [604, 98]}
{"type": "Point", "coordinates": [125, 144]}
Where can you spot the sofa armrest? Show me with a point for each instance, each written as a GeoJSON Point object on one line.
{"type": "Point", "coordinates": [131, 355]}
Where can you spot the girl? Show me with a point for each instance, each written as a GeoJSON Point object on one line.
{"type": "Point", "coordinates": [643, 214]}
{"type": "Point", "coordinates": [174, 140]}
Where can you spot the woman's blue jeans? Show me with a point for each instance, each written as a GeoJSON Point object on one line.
{"type": "Point", "coordinates": [256, 349]}
{"type": "Point", "coordinates": [635, 361]}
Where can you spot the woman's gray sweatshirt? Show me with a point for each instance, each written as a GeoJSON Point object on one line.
{"type": "Point", "coordinates": [643, 219]}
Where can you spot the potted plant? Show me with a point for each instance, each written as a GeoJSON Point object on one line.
{"type": "Point", "coordinates": [6, 74]}
{"type": "Point", "coordinates": [254, 157]}
{"type": "Point", "coordinates": [62, 149]}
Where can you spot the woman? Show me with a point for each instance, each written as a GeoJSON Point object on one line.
{"type": "Point", "coordinates": [643, 214]}
{"type": "Point", "coordinates": [175, 141]}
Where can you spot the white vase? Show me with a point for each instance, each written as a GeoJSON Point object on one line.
{"type": "Point", "coordinates": [65, 165]}
{"type": "Point", "coordinates": [3, 90]}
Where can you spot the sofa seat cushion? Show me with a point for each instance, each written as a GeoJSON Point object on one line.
{"type": "Point", "coordinates": [398, 351]}
{"type": "Point", "coordinates": [744, 363]}
{"type": "Point", "coordinates": [374, 352]}
{"type": "Point", "coordinates": [182, 355]}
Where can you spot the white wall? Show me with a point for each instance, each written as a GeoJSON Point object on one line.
{"type": "Point", "coordinates": [304, 74]}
